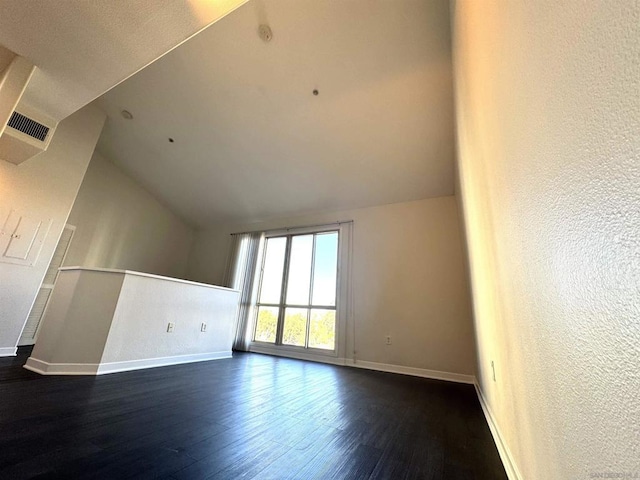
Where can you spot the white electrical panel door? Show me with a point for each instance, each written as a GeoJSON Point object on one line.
{"type": "Point", "coordinates": [22, 238]}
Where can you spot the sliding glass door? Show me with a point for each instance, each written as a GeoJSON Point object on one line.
{"type": "Point", "coordinates": [297, 291]}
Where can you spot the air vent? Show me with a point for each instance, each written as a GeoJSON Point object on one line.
{"type": "Point", "coordinates": [28, 126]}
{"type": "Point", "coordinates": [28, 133]}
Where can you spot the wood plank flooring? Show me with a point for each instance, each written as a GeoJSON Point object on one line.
{"type": "Point", "coordinates": [250, 417]}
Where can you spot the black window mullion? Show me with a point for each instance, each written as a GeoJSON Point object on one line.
{"type": "Point", "coordinates": [283, 293]}
{"type": "Point", "coordinates": [255, 318]}
{"type": "Point", "coordinates": [313, 258]}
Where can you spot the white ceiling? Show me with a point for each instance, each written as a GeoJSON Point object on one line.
{"type": "Point", "coordinates": [252, 141]}
{"type": "Point", "coordinates": [82, 48]}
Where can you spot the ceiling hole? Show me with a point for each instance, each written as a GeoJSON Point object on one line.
{"type": "Point", "coordinates": [265, 33]}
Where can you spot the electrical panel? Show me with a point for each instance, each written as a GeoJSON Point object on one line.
{"type": "Point", "coordinates": [22, 237]}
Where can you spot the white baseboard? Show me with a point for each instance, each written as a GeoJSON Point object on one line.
{"type": "Point", "coordinates": [505, 454]}
{"type": "Point", "coordinates": [297, 355]}
{"type": "Point", "coordinates": [416, 372]}
{"type": "Point", "coordinates": [381, 367]}
{"type": "Point", "coordinates": [8, 351]}
{"type": "Point", "coordinates": [46, 368]}
{"type": "Point", "coordinates": [113, 367]}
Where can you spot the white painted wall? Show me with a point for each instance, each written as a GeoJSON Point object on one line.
{"type": "Point", "coordinates": [548, 105]}
{"type": "Point", "coordinates": [120, 225]}
{"type": "Point", "coordinates": [44, 187]}
{"type": "Point", "coordinates": [13, 82]}
{"type": "Point", "coordinates": [78, 318]}
{"type": "Point", "coordinates": [146, 306]}
{"type": "Point", "coordinates": [101, 321]}
{"type": "Point", "coordinates": [408, 281]}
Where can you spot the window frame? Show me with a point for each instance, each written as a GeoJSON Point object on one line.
{"type": "Point", "coordinates": [278, 346]}
{"type": "Point", "coordinates": [343, 296]}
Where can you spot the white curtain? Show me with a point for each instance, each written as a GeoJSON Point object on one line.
{"type": "Point", "coordinates": [240, 273]}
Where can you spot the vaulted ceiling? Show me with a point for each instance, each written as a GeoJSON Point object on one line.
{"type": "Point", "coordinates": [82, 48]}
{"type": "Point", "coordinates": [250, 138]}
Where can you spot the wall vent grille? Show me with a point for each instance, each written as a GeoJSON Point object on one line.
{"type": "Point", "coordinates": [28, 126]}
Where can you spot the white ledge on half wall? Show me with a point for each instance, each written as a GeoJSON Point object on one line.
{"type": "Point", "coordinates": [103, 321]}
{"type": "Point", "coordinates": [142, 274]}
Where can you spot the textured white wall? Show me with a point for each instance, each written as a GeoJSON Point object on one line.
{"type": "Point", "coordinates": [408, 281]}
{"type": "Point", "coordinates": [78, 318]}
{"type": "Point", "coordinates": [146, 306]}
{"type": "Point", "coordinates": [111, 316]}
{"type": "Point", "coordinates": [548, 105]}
{"type": "Point", "coordinates": [43, 187]}
{"type": "Point", "coordinates": [120, 225]}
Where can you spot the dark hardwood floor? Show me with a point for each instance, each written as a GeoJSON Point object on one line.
{"type": "Point", "coordinates": [252, 416]}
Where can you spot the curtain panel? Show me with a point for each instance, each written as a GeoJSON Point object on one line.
{"type": "Point", "coordinates": [240, 275]}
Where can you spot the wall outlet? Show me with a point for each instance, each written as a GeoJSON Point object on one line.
{"type": "Point", "coordinates": [203, 327]}
{"type": "Point", "coordinates": [170, 327]}
{"type": "Point", "coordinates": [388, 339]}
